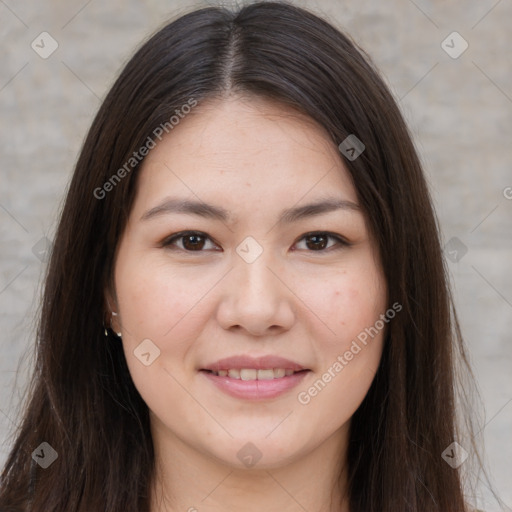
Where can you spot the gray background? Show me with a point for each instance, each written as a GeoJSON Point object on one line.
{"type": "Point", "coordinates": [459, 110]}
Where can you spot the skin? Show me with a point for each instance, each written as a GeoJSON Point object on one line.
{"type": "Point", "coordinates": [298, 299]}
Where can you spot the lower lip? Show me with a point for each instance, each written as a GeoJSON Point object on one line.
{"type": "Point", "coordinates": [255, 389]}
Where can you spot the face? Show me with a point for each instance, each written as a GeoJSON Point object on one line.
{"type": "Point", "coordinates": [246, 285]}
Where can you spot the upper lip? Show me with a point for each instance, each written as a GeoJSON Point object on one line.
{"type": "Point", "coordinates": [240, 362]}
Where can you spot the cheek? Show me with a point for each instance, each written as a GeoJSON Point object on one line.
{"type": "Point", "coordinates": [167, 310]}
{"type": "Point", "coordinates": [351, 304]}
{"type": "Point", "coordinates": [350, 358]}
{"type": "Point", "coordinates": [157, 302]}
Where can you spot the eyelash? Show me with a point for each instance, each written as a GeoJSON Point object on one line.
{"type": "Point", "coordinates": [169, 241]}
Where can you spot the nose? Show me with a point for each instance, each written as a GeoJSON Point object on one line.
{"type": "Point", "coordinates": [255, 300]}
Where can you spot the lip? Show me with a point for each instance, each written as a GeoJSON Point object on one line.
{"type": "Point", "coordinates": [255, 389]}
{"type": "Point", "coordinates": [258, 363]}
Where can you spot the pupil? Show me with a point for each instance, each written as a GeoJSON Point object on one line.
{"type": "Point", "coordinates": [193, 242]}
{"type": "Point", "coordinates": [319, 241]}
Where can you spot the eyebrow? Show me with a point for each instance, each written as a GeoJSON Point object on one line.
{"type": "Point", "coordinates": [192, 207]}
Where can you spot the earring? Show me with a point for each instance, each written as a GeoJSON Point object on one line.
{"type": "Point", "coordinates": [114, 314]}
{"type": "Point", "coordinates": [106, 332]}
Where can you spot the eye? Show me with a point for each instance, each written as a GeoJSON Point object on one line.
{"type": "Point", "coordinates": [197, 241]}
{"type": "Point", "coordinates": [321, 240]}
{"type": "Point", "coordinates": [190, 241]}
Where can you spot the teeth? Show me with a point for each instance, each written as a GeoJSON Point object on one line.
{"type": "Point", "coordinates": [253, 374]}
{"type": "Point", "coordinates": [246, 374]}
{"type": "Point", "coordinates": [234, 374]}
{"type": "Point", "coordinates": [265, 374]}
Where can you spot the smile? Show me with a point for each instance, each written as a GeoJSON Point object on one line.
{"type": "Point", "coordinates": [254, 374]}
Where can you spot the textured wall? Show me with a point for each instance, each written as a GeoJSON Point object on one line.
{"type": "Point", "coordinates": [457, 100]}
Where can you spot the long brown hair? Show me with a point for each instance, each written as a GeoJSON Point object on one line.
{"type": "Point", "coordinates": [82, 400]}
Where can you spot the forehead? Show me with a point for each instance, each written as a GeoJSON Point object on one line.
{"type": "Point", "coordinates": [244, 151]}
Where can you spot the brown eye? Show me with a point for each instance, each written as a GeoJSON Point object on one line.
{"type": "Point", "coordinates": [319, 241]}
{"type": "Point", "coordinates": [193, 242]}
{"type": "Point", "coordinates": [189, 241]}
{"type": "Point", "coordinates": [316, 242]}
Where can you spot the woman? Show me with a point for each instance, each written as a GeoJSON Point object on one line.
{"type": "Point", "coordinates": [246, 305]}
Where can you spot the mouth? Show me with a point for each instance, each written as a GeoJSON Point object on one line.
{"type": "Point", "coordinates": [254, 378]}
{"type": "Point", "coordinates": [254, 384]}
{"type": "Point", "coordinates": [251, 374]}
